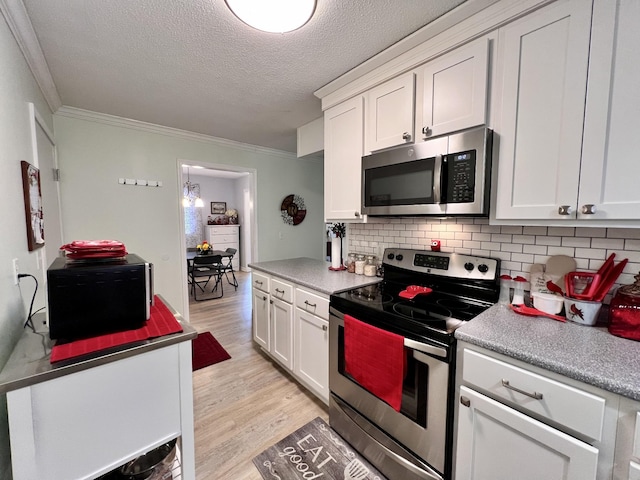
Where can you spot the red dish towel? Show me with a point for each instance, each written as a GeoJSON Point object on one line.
{"type": "Point", "coordinates": [375, 359]}
{"type": "Point", "coordinates": [160, 323]}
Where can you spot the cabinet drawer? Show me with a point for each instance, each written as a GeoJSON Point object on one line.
{"type": "Point", "coordinates": [567, 406]}
{"type": "Point", "coordinates": [220, 239]}
{"type": "Point", "coordinates": [281, 290]}
{"type": "Point", "coordinates": [230, 231]}
{"type": "Point", "coordinates": [312, 303]}
{"type": "Point", "coordinates": [260, 281]}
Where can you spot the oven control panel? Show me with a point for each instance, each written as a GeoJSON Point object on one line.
{"type": "Point", "coordinates": [444, 264]}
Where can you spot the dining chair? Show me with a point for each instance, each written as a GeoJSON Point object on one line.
{"type": "Point", "coordinates": [202, 270]}
{"type": "Point", "coordinates": [227, 267]}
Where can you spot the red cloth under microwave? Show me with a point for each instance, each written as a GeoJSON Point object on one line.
{"type": "Point", "coordinates": [375, 359]}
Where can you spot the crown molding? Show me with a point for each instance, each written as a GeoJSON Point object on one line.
{"type": "Point", "coordinates": [78, 113]}
{"type": "Point", "coordinates": [19, 23]}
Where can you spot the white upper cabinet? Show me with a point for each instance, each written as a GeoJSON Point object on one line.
{"type": "Point", "coordinates": [543, 60]}
{"type": "Point", "coordinates": [611, 151]}
{"type": "Point", "coordinates": [343, 144]}
{"type": "Point", "coordinates": [389, 120]}
{"type": "Point", "coordinates": [452, 91]}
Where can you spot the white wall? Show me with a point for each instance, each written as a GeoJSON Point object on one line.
{"type": "Point", "coordinates": [17, 88]}
{"type": "Point", "coordinates": [93, 153]}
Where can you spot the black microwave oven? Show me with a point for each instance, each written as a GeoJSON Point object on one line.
{"type": "Point", "coordinates": [442, 176]}
{"type": "Point", "coordinates": [93, 297]}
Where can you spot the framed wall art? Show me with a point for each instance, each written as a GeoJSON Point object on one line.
{"type": "Point", "coordinates": [218, 207]}
{"type": "Point", "coordinates": [32, 205]}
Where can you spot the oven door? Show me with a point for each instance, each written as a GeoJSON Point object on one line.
{"type": "Point", "coordinates": [412, 443]}
{"type": "Point", "coordinates": [404, 181]}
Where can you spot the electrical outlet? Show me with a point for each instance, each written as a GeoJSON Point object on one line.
{"type": "Point", "coordinates": [16, 270]}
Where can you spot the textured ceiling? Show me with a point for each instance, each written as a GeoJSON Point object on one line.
{"type": "Point", "coordinates": [192, 65]}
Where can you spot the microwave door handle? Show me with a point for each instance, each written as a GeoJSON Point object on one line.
{"type": "Point", "coordinates": [437, 180]}
{"type": "Point", "coordinates": [444, 178]}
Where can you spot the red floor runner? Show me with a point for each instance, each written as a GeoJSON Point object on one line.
{"type": "Point", "coordinates": [207, 351]}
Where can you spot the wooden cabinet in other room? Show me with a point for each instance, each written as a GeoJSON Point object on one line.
{"type": "Point", "coordinates": [223, 237]}
{"type": "Point", "coordinates": [343, 145]}
{"type": "Point", "coordinates": [568, 114]}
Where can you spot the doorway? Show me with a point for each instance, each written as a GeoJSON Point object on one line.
{"type": "Point", "coordinates": [235, 187]}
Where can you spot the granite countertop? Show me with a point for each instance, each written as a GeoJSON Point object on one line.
{"type": "Point", "coordinates": [588, 354]}
{"type": "Point", "coordinates": [30, 364]}
{"type": "Point", "coordinates": [314, 274]}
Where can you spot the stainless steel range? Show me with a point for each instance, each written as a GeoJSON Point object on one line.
{"type": "Point", "coordinates": [416, 441]}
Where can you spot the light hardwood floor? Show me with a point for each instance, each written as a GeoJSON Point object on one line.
{"type": "Point", "coordinates": [247, 403]}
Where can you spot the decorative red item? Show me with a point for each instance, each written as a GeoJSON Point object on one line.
{"type": "Point", "coordinates": [375, 359]}
{"type": "Point", "coordinates": [624, 313]}
{"type": "Point", "coordinates": [86, 249]}
{"type": "Point", "coordinates": [413, 290]}
{"type": "Point", "coordinates": [161, 322]}
{"type": "Point", "coordinates": [435, 245]}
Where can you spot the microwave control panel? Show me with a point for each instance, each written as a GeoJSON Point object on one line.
{"type": "Point", "coordinates": [461, 168]}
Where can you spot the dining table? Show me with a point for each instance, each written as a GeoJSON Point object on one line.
{"type": "Point", "coordinates": [222, 253]}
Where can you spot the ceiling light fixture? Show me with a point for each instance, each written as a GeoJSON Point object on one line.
{"type": "Point", "coordinates": [275, 16]}
{"type": "Point", "coordinates": [191, 197]}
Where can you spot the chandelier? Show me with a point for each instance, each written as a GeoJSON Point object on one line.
{"type": "Point", "coordinates": [191, 194]}
{"type": "Point", "coordinates": [275, 16]}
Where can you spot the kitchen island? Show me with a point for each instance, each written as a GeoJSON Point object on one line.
{"type": "Point", "coordinates": [569, 393]}
{"type": "Point", "coordinates": [79, 419]}
{"type": "Point", "coordinates": [290, 300]}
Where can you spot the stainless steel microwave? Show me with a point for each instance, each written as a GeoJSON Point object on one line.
{"type": "Point", "coordinates": [442, 176]}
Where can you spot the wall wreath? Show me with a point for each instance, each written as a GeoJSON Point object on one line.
{"type": "Point", "coordinates": [293, 209]}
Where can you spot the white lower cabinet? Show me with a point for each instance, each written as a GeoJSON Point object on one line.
{"type": "Point", "coordinates": [517, 421]}
{"type": "Point", "coordinates": [499, 443]}
{"type": "Point", "coordinates": [291, 325]}
{"type": "Point", "coordinates": [311, 364]}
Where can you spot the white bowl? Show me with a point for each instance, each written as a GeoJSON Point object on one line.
{"type": "Point", "coordinates": [547, 302]}
{"type": "Point", "coordinates": [584, 312]}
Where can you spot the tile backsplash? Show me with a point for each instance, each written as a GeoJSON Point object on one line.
{"type": "Point", "coordinates": [518, 247]}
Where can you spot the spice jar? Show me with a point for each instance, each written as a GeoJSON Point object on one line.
{"type": "Point", "coordinates": [370, 267]}
{"type": "Point", "coordinates": [518, 291]}
{"type": "Point", "coordinates": [360, 261]}
{"type": "Point", "coordinates": [351, 263]}
{"type": "Point", "coordinates": [624, 312]}
{"type": "Point", "coordinates": [505, 289]}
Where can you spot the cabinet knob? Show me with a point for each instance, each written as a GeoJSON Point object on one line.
{"type": "Point", "coordinates": [564, 210]}
{"type": "Point", "coordinates": [264, 299]}
{"type": "Point", "coordinates": [465, 401]}
{"type": "Point", "coordinates": [357, 214]}
{"type": "Point", "coordinates": [426, 131]}
{"type": "Point", "coordinates": [271, 302]}
{"type": "Point", "coordinates": [324, 327]}
{"type": "Point", "coordinates": [588, 209]}
{"type": "Point", "coordinates": [406, 136]}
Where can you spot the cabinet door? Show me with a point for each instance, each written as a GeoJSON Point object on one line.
{"type": "Point", "coordinates": [282, 332]}
{"type": "Point", "coordinates": [543, 59]}
{"type": "Point", "coordinates": [390, 113]}
{"type": "Point", "coordinates": [261, 319]}
{"type": "Point", "coordinates": [343, 144]}
{"type": "Point", "coordinates": [453, 90]}
{"type": "Point", "coordinates": [499, 443]}
{"type": "Point", "coordinates": [610, 167]}
{"type": "Point", "coordinates": [312, 353]}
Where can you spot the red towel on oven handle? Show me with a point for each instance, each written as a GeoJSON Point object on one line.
{"type": "Point", "coordinates": [375, 359]}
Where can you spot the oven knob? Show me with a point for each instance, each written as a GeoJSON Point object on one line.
{"type": "Point", "coordinates": [482, 268]}
{"type": "Point", "coordinates": [390, 256]}
{"type": "Point", "coordinates": [468, 266]}
{"type": "Point", "coordinates": [399, 257]}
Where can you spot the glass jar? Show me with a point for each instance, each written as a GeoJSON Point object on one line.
{"type": "Point", "coordinates": [370, 267]}
{"type": "Point", "coordinates": [351, 263]}
{"type": "Point", "coordinates": [624, 312]}
{"type": "Point", "coordinates": [360, 261]}
{"type": "Point", "coordinates": [505, 289]}
{"type": "Point", "coordinates": [518, 290]}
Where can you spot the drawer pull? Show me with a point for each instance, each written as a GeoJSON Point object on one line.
{"type": "Point", "coordinates": [536, 395]}
{"type": "Point", "coordinates": [281, 292]}
{"type": "Point", "coordinates": [306, 302]}
{"type": "Point", "coordinates": [465, 401]}
{"type": "Point", "coordinates": [258, 282]}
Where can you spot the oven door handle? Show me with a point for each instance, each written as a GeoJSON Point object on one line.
{"type": "Point", "coordinates": [425, 348]}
